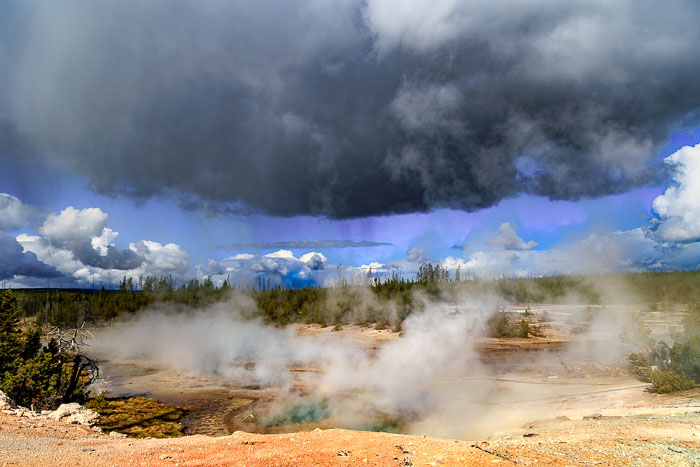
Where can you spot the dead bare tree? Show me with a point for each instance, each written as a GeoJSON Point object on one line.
{"type": "Point", "coordinates": [83, 368]}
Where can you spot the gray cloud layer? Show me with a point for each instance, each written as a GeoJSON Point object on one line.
{"type": "Point", "coordinates": [305, 244]}
{"type": "Point", "coordinates": [349, 108]}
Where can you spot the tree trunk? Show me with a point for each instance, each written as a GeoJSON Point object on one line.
{"type": "Point", "coordinates": [75, 374]}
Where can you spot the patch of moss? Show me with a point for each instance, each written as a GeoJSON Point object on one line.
{"type": "Point", "coordinates": [138, 417]}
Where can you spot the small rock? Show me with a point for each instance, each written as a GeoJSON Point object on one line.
{"type": "Point", "coordinates": [75, 413]}
{"type": "Point", "coordinates": [5, 402]}
{"type": "Point", "coordinates": [115, 434]}
{"type": "Point", "coordinates": [164, 456]}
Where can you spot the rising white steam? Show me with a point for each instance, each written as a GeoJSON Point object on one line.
{"type": "Point", "coordinates": [404, 378]}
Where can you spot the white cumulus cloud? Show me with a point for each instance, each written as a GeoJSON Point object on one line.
{"type": "Point", "coordinates": [508, 239]}
{"type": "Point", "coordinates": [314, 261]}
{"type": "Point", "coordinates": [417, 255]}
{"type": "Point", "coordinates": [60, 258]}
{"type": "Point", "coordinates": [677, 210]}
{"type": "Point", "coordinates": [14, 214]}
{"type": "Point", "coordinates": [73, 225]}
{"type": "Point", "coordinates": [104, 241]}
{"type": "Point", "coordinates": [161, 260]}
{"type": "Point", "coordinates": [78, 243]}
{"type": "Point", "coordinates": [281, 266]}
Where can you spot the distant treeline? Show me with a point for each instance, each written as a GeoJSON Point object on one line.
{"type": "Point", "coordinates": [385, 302]}
{"type": "Point", "coordinates": [72, 307]}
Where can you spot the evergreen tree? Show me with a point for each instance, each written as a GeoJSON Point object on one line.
{"type": "Point", "coordinates": [10, 335]}
{"type": "Point", "coordinates": [28, 374]}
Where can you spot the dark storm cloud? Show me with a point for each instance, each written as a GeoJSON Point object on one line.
{"type": "Point", "coordinates": [301, 244]}
{"type": "Point", "coordinates": [349, 108]}
{"type": "Point", "coordinates": [14, 262]}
